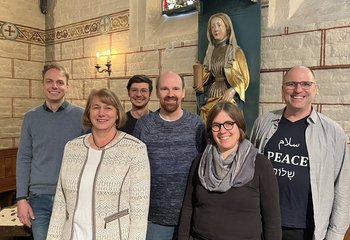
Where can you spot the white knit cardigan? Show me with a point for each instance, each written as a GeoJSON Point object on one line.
{"type": "Point", "coordinates": [120, 192]}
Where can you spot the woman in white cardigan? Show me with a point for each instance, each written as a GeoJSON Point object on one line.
{"type": "Point", "coordinates": [104, 183]}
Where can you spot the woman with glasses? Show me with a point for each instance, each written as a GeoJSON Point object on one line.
{"type": "Point", "coordinates": [232, 191]}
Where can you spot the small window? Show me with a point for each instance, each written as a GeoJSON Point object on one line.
{"type": "Point", "coordinates": [176, 7]}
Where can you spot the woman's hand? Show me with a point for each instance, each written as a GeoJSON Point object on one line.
{"type": "Point", "coordinates": [228, 95]}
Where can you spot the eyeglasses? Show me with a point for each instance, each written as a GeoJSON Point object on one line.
{"type": "Point", "coordinates": [306, 85]}
{"type": "Point", "coordinates": [228, 125]}
{"type": "Point", "coordinates": [143, 91]}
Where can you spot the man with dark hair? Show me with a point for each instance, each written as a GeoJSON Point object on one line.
{"type": "Point", "coordinates": [310, 158]}
{"type": "Point", "coordinates": [139, 91]}
{"type": "Point", "coordinates": [45, 131]}
{"type": "Point", "coordinates": [173, 137]}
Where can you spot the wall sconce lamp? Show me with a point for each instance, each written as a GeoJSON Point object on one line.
{"type": "Point", "coordinates": [108, 64]}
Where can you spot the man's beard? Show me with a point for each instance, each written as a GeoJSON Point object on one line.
{"type": "Point", "coordinates": [170, 107]}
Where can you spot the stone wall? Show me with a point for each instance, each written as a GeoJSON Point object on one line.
{"type": "Point", "coordinates": [22, 54]}
{"type": "Point", "coordinates": [133, 50]}
{"type": "Point", "coordinates": [142, 41]}
{"type": "Point", "coordinates": [317, 39]}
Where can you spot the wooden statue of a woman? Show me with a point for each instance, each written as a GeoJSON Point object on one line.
{"type": "Point", "coordinates": [224, 74]}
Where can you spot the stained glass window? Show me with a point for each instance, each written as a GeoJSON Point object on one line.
{"type": "Point", "coordinates": [175, 7]}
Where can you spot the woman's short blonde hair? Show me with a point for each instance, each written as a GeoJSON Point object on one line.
{"type": "Point", "coordinates": [107, 97]}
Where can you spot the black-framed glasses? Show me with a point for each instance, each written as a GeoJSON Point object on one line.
{"type": "Point", "coordinates": [306, 85]}
{"type": "Point", "coordinates": [228, 125]}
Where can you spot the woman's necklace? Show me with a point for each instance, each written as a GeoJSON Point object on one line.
{"type": "Point", "coordinates": [100, 147]}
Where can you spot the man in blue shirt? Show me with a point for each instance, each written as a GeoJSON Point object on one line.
{"type": "Point", "coordinates": [173, 137]}
{"type": "Point", "coordinates": [45, 131]}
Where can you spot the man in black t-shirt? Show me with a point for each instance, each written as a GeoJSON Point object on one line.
{"type": "Point", "coordinates": [309, 155]}
{"type": "Point", "coordinates": [139, 91]}
{"type": "Point", "coordinates": [288, 154]}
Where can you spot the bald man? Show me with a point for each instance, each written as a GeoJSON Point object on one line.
{"type": "Point", "coordinates": [174, 137]}
{"type": "Point", "coordinates": [310, 158]}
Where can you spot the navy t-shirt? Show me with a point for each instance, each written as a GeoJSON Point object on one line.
{"type": "Point", "coordinates": [130, 124]}
{"type": "Point", "coordinates": [288, 154]}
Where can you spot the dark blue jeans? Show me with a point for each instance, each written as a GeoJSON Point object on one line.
{"type": "Point", "coordinates": [42, 209]}
{"type": "Point", "coordinates": [159, 232]}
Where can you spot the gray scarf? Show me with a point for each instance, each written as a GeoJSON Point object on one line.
{"type": "Point", "coordinates": [219, 175]}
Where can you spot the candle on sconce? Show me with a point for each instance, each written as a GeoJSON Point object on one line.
{"type": "Point", "coordinates": [108, 64]}
{"type": "Point", "coordinates": [108, 55]}
{"type": "Point", "coordinates": [97, 57]}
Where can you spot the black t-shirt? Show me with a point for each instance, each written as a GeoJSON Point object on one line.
{"type": "Point", "coordinates": [288, 154]}
{"type": "Point", "coordinates": [130, 124]}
